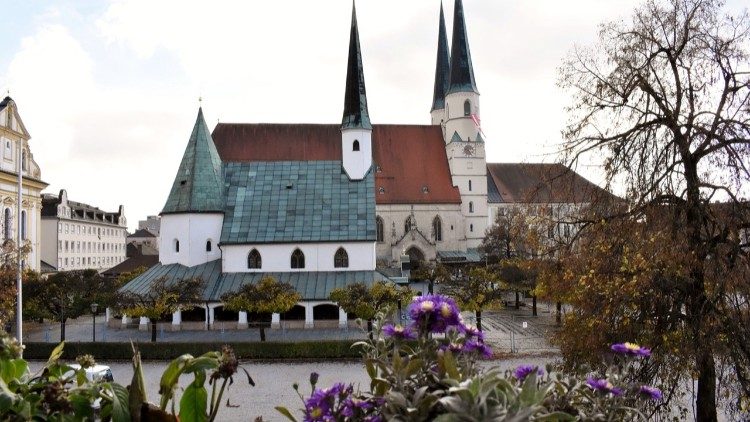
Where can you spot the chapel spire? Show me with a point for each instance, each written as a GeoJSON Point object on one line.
{"type": "Point", "coordinates": [198, 186]}
{"type": "Point", "coordinates": [355, 97]}
{"type": "Point", "coordinates": [442, 68]}
{"type": "Point", "coordinates": [461, 72]}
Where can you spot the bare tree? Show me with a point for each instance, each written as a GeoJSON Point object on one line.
{"type": "Point", "coordinates": [666, 100]}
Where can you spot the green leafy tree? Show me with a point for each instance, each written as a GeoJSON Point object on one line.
{"type": "Point", "coordinates": [365, 303]}
{"type": "Point", "coordinates": [162, 299]}
{"type": "Point", "coordinates": [66, 295]}
{"type": "Point", "coordinates": [125, 278]}
{"type": "Point", "coordinates": [663, 100]}
{"type": "Point", "coordinates": [268, 296]}
{"type": "Point", "coordinates": [475, 290]}
{"type": "Point", "coordinates": [8, 279]}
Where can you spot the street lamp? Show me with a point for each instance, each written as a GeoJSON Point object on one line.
{"type": "Point", "coordinates": [94, 308]}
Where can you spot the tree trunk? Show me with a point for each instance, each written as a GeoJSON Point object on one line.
{"type": "Point", "coordinates": [479, 320]}
{"type": "Point", "coordinates": [518, 300]}
{"type": "Point", "coordinates": [262, 332]}
{"type": "Point", "coordinates": [705, 402]}
{"type": "Point", "coordinates": [62, 329]}
{"type": "Point", "coordinates": [153, 331]}
{"type": "Point", "coordinates": [369, 328]}
{"type": "Point", "coordinates": [533, 305]}
{"type": "Point", "coordinates": [558, 313]}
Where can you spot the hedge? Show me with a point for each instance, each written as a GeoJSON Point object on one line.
{"type": "Point", "coordinates": [102, 351]}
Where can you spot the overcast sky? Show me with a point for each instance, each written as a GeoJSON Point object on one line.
{"type": "Point", "coordinates": [109, 89]}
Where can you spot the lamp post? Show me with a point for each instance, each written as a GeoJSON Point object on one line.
{"type": "Point", "coordinates": [94, 308]}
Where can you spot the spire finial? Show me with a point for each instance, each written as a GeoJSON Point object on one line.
{"type": "Point", "coordinates": [462, 71]}
{"type": "Point", "coordinates": [355, 97]}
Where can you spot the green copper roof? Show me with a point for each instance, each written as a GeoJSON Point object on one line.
{"type": "Point", "coordinates": [198, 186]}
{"type": "Point", "coordinates": [462, 72]}
{"type": "Point", "coordinates": [456, 137]}
{"type": "Point", "coordinates": [296, 201]}
{"type": "Point", "coordinates": [356, 115]}
{"type": "Point", "coordinates": [311, 285]}
{"type": "Point", "coordinates": [442, 68]}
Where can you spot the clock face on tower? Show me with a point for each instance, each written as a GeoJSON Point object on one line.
{"type": "Point", "coordinates": [469, 150]}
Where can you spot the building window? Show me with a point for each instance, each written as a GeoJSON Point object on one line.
{"type": "Point", "coordinates": [254, 261]}
{"type": "Point", "coordinates": [437, 229]}
{"type": "Point", "coordinates": [177, 246]}
{"type": "Point", "coordinates": [59, 227]}
{"type": "Point", "coordinates": [469, 185]}
{"type": "Point", "coordinates": [23, 225]}
{"type": "Point", "coordinates": [8, 221]}
{"type": "Point", "coordinates": [471, 206]}
{"type": "Point", "coordinates": [409, 224]}
{"type": "Point", "coordinates": [467, 108]}
{"type": "Point", "coordinates": [355, 145]}
{"type": "Point", "coordinates": [471, 228]}
{"type": "Point", "coordinates": [208, 246]}
{"type": "Point", "coordinates": [379, 232]}
{"type": "Point", "coordinates": [298, 259]}
{"type": "Point", "coordinates": [341, 259]}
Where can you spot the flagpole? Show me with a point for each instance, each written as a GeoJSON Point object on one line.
{"type": "Point", "coordinates": [19, 283]}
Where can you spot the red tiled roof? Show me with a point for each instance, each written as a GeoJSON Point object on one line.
{"type": "Point", "coordinates": [543, 183]}
{"type": "Point", "coordinates": [410, 157]}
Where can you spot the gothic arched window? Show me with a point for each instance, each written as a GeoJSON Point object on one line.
{"type": "Point", "coordinates": [409, 224]}
{"type": "Point", "coordinates": [437, 229]}
{"type": "Point", "coordinates": [8, 222]}
{"type": "Point", "coordinates": [355, 145]}
{"type": "Point", "coordinates": [469, 185]}
{"type": "Point", "coordinates": [298, 259]}
{"type": "Point", "coordinates": [254, 261]}
{"type": "Point", "coordinates": [471, 207]}
{"type": "Point", "coordinates": [341, 259]}
{"type": "Point", "coordinates": [208, 245]}
{"type": "Point", "coordinates": [467, 108]}
{"type": "Point", "coordinates": [379, 232]}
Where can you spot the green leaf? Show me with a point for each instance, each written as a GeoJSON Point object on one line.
{"type": "Point", "coordinates": [120, 403]}
{"type": "Point", "coordinates": [12, 369]}
{"type": "Point", "coordinates": [202, 363]}
{"type": "Point", "coordinates": [194, 400]}
{"type": "Point", "coordinates": [284, 411]}
{"type": "Point", "coordinates": [81, 406]}
{"type": "Point", "coordinates": [170, 377]}
{"type": "Point", "coordinates": [555, 416]}
{"type": "Point", "coordinates": [56, 354]}
{"type": "Point", "coordinates": [137, 392]}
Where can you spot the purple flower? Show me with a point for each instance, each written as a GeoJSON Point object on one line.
{"type": "Point", "coordinates": [321, 404]}
{"type": "Point", "coordinates": [603, 386]}
{"type": "Point", "coordinates": [651, 392]}
{"type": "Point", "coordinates": [353, 404]}
{"type": "Point", "coordinates": [478, 346]}
{"type": "Point", "coordinates": [524, 371]}
{"type": "Point", "coordinates": [399, 332]}
{"type": "Point", "coordinates": [314, 378]}
{"type": "Point", "coordinates": [471, 331]}
{"type": "Point", "coordinates": [453, 347]}
{"type": "Point", "coordinates": [631, 349]}
{"type": "Point", "coordinates": [434, 313]}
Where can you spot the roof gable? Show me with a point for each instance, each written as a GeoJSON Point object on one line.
{"type": "Point", "coordinates": [10, 119]}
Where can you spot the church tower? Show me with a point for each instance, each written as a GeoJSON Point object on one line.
{"type": "Point", "coordinates": [464, 141]}
{"type": "Point", "coordinates": [194, 213]}
{"type": "Point", "coordinates": [442, 73]}
{"type": "Point", "coordinates": [356, 130]}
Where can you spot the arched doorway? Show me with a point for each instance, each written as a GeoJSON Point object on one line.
{"type": "Point", "coordinates": [326, 311]}
{"type": "Point", "coordinates": [416, 257]}
{"type": "Point", "coordinates": [221, 314]}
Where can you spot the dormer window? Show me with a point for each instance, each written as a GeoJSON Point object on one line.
{"type": "Point", "coordinates": [355, 145]}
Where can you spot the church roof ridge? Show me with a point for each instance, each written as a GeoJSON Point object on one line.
{"type": "Point", "coordinates": [198, 185]}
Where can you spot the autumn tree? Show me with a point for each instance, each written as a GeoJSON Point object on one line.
{"type": "Point", "coordinates": [664, 100]}
{"type": "Point", "coordinates": [268, 296]}
{"type": "Point", "coordinates": [66, 295]}
{"type": "Point", "coordinates": [475, 290]}
{"type": "Point", "coordinates": [162, 298]}
{"type": "Point", "coordinates": [365, 302]}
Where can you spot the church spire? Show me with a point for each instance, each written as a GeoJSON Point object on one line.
{"type": "Point", "coordinates": [355, 97]}
{"type": "Point", "coordinates": [462, 72]}
{"type": "Point", "coordinates": [198, 186]}
{"type": "Point", "coordinates": [442, 68]}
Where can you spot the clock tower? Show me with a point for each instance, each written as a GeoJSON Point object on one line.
{"type": "Point", "coordinates": [464, 141]}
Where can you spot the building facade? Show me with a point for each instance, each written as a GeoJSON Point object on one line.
{"type": "Point", "coordinates": [78, 236]}
{"type": "Point", "coordinates": [151, 223]}
{"type": "Point", "coordinates": [15, 149]}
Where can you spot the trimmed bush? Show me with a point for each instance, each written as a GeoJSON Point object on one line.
{"type": "Point", "coordinates": [102, 351]}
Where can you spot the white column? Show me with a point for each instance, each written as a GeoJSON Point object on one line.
{"type": "Point", "coordinates": [143, 323]}
{"type": "Point", "coordinates": [125, 321]}
{"type": "Point", "coordinates": [343, 321]}
{"type": "Point", "coordinates": [177, 318]}
{"type": "Point", "coordinates": [107, 315]}
{"type": "Point", "coordinates": [211, 315]}
{"type": "Point", "coordinates": [309, 320]}
{"type": "Point", "coordinates": [275, 320]}
{"type": "Point", "coordinates": [242, 320]}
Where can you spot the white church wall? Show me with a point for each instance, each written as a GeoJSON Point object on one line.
{"type": "Point", "coordinates": [456, 120]}
{"type": "Point", "coordinates": [318, 256]}
{"type": "Point", "coordinates": [356, 163]}
{"type": "Point", "coordinates": [192, 231]}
